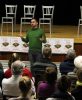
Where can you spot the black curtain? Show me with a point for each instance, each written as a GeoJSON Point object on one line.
{"type": "Point", "coordinates": [67, 12]}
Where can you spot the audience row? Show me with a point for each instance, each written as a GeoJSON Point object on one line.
{"type": "Point", "coordinates": [18, 83]}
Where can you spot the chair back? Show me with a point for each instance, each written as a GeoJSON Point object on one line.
{"type": "Point", "coordinates": [11, 10]}
{"type": "Point", "coordinates": [81, 11]}
{"type": "Point", "coordinates": [29, 11]}
{"type": "Point", "coordinates": [48, 11]}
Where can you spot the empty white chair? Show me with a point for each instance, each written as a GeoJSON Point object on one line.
{"type": "Point", "coordinates": [80, 21]}
{"type": "Point", "coordinates": [47, 13]}
{"type": "Point", "coordinates": [29, 12]}
{"type": "Point", "coordinates": [10, 16]}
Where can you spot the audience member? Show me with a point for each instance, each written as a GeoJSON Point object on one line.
{"type": "Point", "coordinates": [1, 78]}
{"type": "Point", "coordinates": [73, 75]}
{"type": "Point", "coordinates": [68, 64]}
{"type": "Point", "coordinates": [47, 55]}
{"type": "Point", "coordinates": [39, 67]}
{"type": "Point", "coordinates": [62, 93]}
{"type": "Point", "coordinates": [14, 57]}
{"type": "Point", "coordinates": [47, 87]}
{"type": "Point", "coordinates": [45, 61]}
{"type": "Point", "coordinates": [27, 72]}
{"type": "Point", "coordinates": [10, 85]}
{"type": "Point", "coordinates": [1, 74]}
{"type": "Point", "coordinates": [78, 62]}
{"type": "Point", "coordinates": [77, 92]}
{"type": "Point", "coordinates": [25, 89]}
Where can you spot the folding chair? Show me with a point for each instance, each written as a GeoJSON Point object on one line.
{"type": "Point", "coordinates": [80, 21]}
{"type": "Point", "coordinates": [47, 12]}
{"type": "Point", "coordinates": [10, 16]}
{"type": "Point", "coordinates": [29, 12]}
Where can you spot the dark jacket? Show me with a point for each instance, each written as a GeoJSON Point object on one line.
{"type": "Point", "coordinates": [62, 94]}
{"type": "Point", "coordinates": [77, 93]}
{"type": "Point", "coordinates": [67, 66]}
{"type": "Point", "coordinates": [1, 74]}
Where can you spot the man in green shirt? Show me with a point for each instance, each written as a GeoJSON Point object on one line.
{"type": "Point", "coordinates": [35, 36]}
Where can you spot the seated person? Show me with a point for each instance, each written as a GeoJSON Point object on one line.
{"type": "Point", "coordinates": [45, 61]}
{"type": "Point", "coordinates": [14, 57]}
{"type": "Point", "coordinates": [1, 74]}
{"type": "Point", "coordinates": [68, 64]}
{"type": "Point", "coordinates": [77, 92]}
{"type": "Point", "coordinates": [73, 75]}
{"type": "Point", "coordinates": [47, 87]}
{"type": "Point", "coordinates": [63, 89]}
{"type": "Point", "coordinates": [78, 63]}
{"type": "Point", "coordinates": [1, 78]}
{"type": "Point", "coordinates": [39, 67]}
{"type": "Point", "coordinates": [10, 85]}
{"type": "Point", "coordinates": [25, 89]}
{"type": "Point", "coordinates": [47, 55]}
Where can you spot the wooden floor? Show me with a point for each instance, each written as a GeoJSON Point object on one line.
{"type": "Point", "coordinates": [58, 31]}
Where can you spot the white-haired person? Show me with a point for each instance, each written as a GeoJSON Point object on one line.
{"type": "Point", "coordinates": [78, 66]}
{"type": "Point", "coordinates": [14, 57]}
{"type": "Point", "coordinates": [68, 64]}
{"type": "Point", "coordinates": [78, 62]}
{"type": "Point", "coordinates": [10, 86]}
{"type": "Point", "coordinates": [25, 89]}
{"type": "Point", "coordinates": [77, 92]}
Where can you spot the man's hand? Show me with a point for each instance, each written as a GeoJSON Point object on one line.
{"type": "Point", "coordinates": [41, 39]}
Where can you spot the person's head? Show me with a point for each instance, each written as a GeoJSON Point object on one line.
{"type": "Point", "coordinates": [17, 67]}
{"type": "Point", "coordinates": [51, 74]}
{"type": "Point", "coordinates": [64, 83]}
{"type": "Point", "coordinates": [78, 62]}
{"type": "Point", "coordinates": [24, 85]}
{"type": "Point", "coordinates": [1, 66]}
{"type": "Point", "coordinates": [47, 52]}
{"type": "Point", "coordinates": [13, 58]}
{"type": "Point", "coordinates": [71, 54]}
{"type": "Point", "coordinates": [34, 23]}
{"type": "Point", "coordinates": [79, 75]}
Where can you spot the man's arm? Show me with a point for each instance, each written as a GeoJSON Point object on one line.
{"type": "Point", "coordinates": [43, 39]}
{"type": "Point", "coordinates": [24, 39]}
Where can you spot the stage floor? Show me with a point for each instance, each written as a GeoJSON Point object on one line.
{"type": "Point", "coordinates": [58, 31]}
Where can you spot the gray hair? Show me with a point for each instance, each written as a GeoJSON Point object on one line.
{"type": "Point", "coordinates": [47, 52]}
{"type": "Point", "coordinates": [71, 54]}
{"type": "Point", "coordinates": [17, 67]}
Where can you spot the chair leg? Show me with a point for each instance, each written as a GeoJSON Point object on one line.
{"type": "Point", "coordinates": [20, 28]}
{"type": "Point", "coordinates": [12, 28]}
{"type": "Point", "coordinates": [50, 29]}
{"type": "Point", "coordinates": [78, 30]}
{"type": "Point", "coordinates": [1, 28]}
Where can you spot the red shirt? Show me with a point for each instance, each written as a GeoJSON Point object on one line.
{"type": "Point", "coordinates": [26, 72]}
